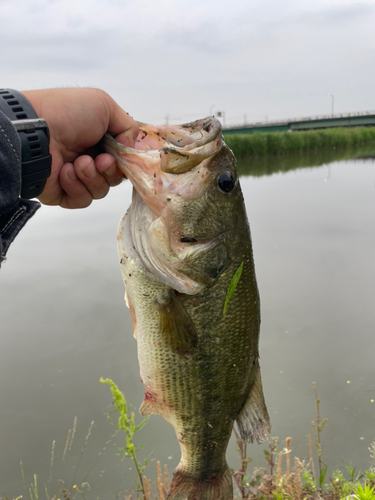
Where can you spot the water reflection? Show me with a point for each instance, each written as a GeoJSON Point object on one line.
{"type": "Point", "coordinates": [64, 324]}
{"type": "Point", "coordinates": [271, 164]}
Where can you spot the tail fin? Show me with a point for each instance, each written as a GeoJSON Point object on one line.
{"type": "Point", "coordinates": [185, 487]}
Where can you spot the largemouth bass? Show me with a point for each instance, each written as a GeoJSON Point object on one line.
{"type": "Point", "coordinates": [181, 242]}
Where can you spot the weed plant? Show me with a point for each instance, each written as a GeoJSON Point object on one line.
{"type": "Point", "coordinates": [126, 423]}
{"type": "Point", "coordinates": [278, 143]}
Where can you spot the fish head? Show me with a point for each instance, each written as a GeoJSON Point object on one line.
{"type": "Point", "coordinates": [186, 201]}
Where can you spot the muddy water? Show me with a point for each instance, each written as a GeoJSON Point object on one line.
{"type": "Point", "coordinates": [64, 325]}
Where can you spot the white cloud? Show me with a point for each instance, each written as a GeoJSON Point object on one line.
{"type": "Point", "coordinates": [180, 58]}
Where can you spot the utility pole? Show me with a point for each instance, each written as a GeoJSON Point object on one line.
{"type": "Point", "coordinates": [333, 102]}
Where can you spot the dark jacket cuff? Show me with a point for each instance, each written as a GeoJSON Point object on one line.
{"type": "Point", "coordinates": [14, 212]}
{"type": "Point", "coordinates": [12, 222]}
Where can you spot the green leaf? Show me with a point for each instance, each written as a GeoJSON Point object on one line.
{"type": "Point", "coordinates": [232, 285]}
{"type": "Point", "coordinates": [138, 427]}
{"type": "Point", "coordinates": [322, 476]}
{"type": "Point", "coordinates": [366, 493]}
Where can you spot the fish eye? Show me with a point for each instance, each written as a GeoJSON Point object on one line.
{"type": "Point", "coordinates": [226, 182]}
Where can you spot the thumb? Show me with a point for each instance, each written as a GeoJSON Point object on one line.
{"type": "Point", "coordinates": [121, 124]}
{"type": "Point", "coordinates": [127, 138]}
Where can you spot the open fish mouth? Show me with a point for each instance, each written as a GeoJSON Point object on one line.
{"type": "Point", "coordinates": [175, 149]}
{"type": "Point", "coordinates": [162, 153]}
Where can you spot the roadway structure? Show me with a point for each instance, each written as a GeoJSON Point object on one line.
{"type": "Point", "coordinates": [362, 119]}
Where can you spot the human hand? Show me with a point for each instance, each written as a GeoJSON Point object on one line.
{"type": "Point", "coordinates": [77, 119]}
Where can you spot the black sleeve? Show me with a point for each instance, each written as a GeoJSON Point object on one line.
{"type": "Point", "coordinates": [14, 211]}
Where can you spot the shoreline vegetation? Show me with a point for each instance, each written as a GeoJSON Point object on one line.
{"type": "Point", "coordinates": [279, 479]}
{"type": "Point", "coordinates": [279, 143]}
{"type": "Point", "coordinates": [282, 476]}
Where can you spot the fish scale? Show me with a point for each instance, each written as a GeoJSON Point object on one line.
{"type": "Point", "coordinates": [180, 244]}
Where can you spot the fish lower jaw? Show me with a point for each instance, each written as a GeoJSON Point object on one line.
{"type": "Point", "coordinates": [136, 238]}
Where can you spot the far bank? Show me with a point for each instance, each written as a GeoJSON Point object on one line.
{"type": "Point", "coordinates": [278, 143]}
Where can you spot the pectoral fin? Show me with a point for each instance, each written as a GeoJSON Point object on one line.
{"type": "Point", "coordinates": [128, 302]}
{"type": "Point", "coordinates": [177, 327]}
{"type": "Point", "coordinates": [253, 420]}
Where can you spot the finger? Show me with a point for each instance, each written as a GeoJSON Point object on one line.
{"type": "Point", "coordinates": [106, 165]}
{"type": "Point", "coordinates": [96, 184]}
{"type": "Point", "coordinates": [76, 195]}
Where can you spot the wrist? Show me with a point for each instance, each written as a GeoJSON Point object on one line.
{"type": "Point", "coordinates": [34, 98]}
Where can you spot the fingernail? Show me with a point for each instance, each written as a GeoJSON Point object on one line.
{"type": "Point", "coordinates": [72, 175]}
{"type": "Point", "coordinates": [90, 172]}
{"type": "Point", "coordinates": [126, 138]}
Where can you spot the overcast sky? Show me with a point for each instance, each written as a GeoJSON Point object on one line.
{"type": "Point", "coordinates": [185, 59]}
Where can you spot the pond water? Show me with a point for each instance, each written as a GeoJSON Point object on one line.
{"type": "Point", "coordinates": [64, 325]}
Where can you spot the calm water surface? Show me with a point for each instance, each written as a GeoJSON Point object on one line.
{"type": "Point", "coordinates": [64, 325]}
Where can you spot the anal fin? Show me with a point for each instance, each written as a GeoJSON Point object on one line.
{"type": "Point", "coordinates": [253, 420]}
{"type": "Point", "coordinates": [148, 408]}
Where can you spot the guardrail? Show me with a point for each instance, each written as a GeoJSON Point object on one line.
{"type": "Point", "coordinates": [288, 121]}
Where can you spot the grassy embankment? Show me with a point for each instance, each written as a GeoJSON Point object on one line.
{"type": "Point", "coordinates": [282, 477]}
{"type": "Point", "coordinates": [278, 143]}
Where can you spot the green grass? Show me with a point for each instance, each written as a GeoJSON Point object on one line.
{"type": "Point", "coordinates": [278, 143]}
